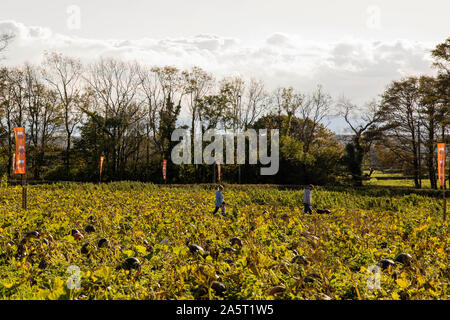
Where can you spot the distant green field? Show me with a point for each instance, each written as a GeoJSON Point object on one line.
{"type": "Point", "coordinates": [393, 182]}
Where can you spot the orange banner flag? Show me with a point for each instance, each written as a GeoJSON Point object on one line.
{"type": "Point", "coordinates": [19, 162]}
{"type": "Point", "coordinates": [441, 163]}
{"type": "Point", "coordinates": [101, 164]}
{"type": "Point", "coordinates": [164, 170]}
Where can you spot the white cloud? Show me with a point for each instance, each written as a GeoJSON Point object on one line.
{"type": "Point", "coordinates": [360, 69]}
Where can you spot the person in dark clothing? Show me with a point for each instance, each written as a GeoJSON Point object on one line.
{"type": "Point", "coordinates": [307, 199]}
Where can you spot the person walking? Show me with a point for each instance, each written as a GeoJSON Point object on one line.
{"type": "Point", "coordinates": [220, 203]}
{"type": "Point", "coordinates": [307, 199]}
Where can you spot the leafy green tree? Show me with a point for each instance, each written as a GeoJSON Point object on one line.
{"type": "Point", "coordinates": [92, 143]}
{"type": "Point", "coordinates": [399, 109]}
{"type": "Point", "coordinates": [441, 55]}
{"type": "Point", "coordinates": [320, 165]}
{"type": "Point", "coordinates": [430, 119]}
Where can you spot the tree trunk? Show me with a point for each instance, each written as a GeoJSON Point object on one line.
{"type": "Point", "coordinates": [430, 158]}
{"type": "Point", "coordinates": [147, 154]}
{"type": "Point", "coordinates": [419, 162]}
{"type": "Point", "coordinates": [415, 162]}
{"type": "Point", "coordinates": [68, 146]}
{"type": "Point", "coordinates": [10, 158]}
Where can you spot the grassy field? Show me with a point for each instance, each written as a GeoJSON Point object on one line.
{"type": "Point", "coordinates": [156, 224]}
{"type": "Point", "coordinates": [409, 183]}
{"type": "Point", "coordinates": [375, 181]}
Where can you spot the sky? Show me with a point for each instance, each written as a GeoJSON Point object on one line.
{"type": "Point", "coordinates": [351, 47]}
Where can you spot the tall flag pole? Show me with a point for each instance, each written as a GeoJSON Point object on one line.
{"type": "Point", "coordinates": [14, 163]}
{"type": "Point", "coordinates": [441, 174]}
{"type": "Point", "coordinates": [20, 161]}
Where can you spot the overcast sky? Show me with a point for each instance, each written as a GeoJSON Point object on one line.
{"type": "Point", "coordinates": [351, 47]}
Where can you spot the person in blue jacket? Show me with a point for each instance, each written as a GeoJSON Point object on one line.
{"type": "Point", "coordinates": [220, 202]}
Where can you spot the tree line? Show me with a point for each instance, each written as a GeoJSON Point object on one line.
{"type": "Point", "coordinates": [74, 113]}
{"type": "Point", "coordinates": [403, 126]}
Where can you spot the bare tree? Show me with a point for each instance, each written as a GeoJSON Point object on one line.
{"type": "Point", "coordinates": [313, 111]}
{"type": "Point", "coordinates": [289, 101]}
{"type": "Point", "coordinates": [17, 85]}
{"type": "Point", "coordinates": [151, 93]}
{"type": "Point", "coordinates": [364, 124]}
{"type": "Point", "coordinates": [171, 84]}
{"type": "Point", "coordinates": [6, 108]}
{"type": "Point", "coordinates": [246, 101]}
{"type": "Point", "coordinates": [114, 85]}
{"type": "Point", "coordinates": [256, 101]}
{"type": "Point", "coordinates": [5, 40]}
{"type": "Point", "coordinates": [198, 83]}
{"type": "Point", "coordinates": [12, 106]}
{"type": "Point", "coordinates": [43, 117]}
{"type": "Point", "coordinates": [232, 89]}
{"type": "Point", "coordinates": [63, 74]}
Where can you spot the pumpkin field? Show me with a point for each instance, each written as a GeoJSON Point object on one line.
{"type": "Point", "coordinates": [141, 241]}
